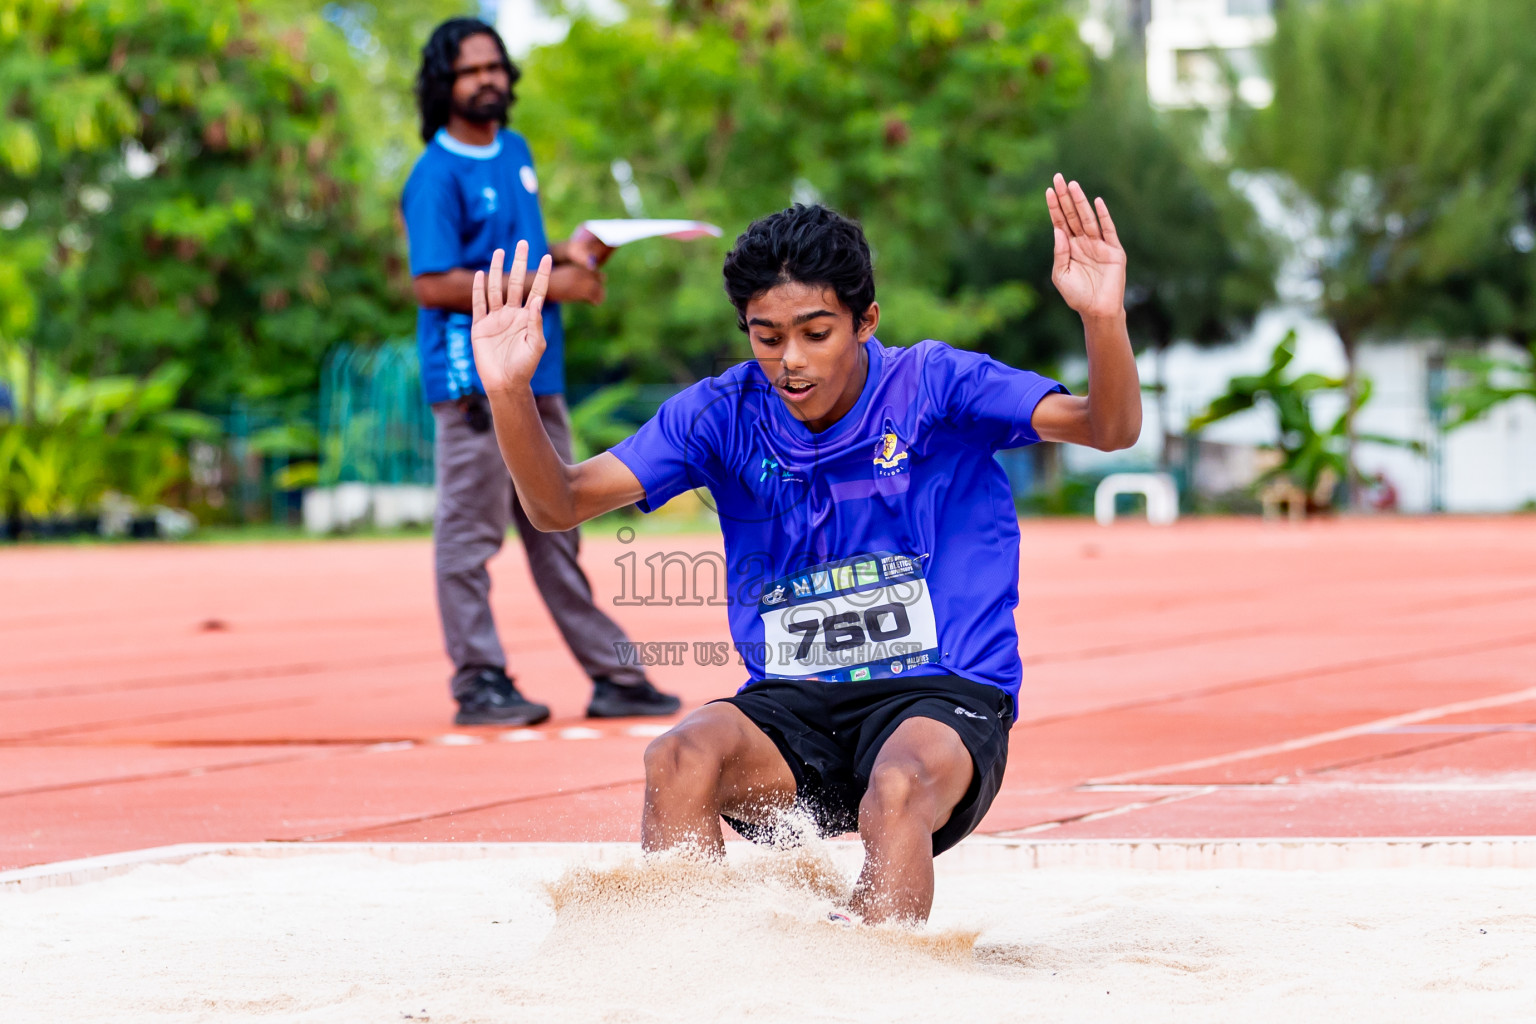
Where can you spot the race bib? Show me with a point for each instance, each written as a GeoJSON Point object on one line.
{"type": "Point", "coordinates": [866, 617]}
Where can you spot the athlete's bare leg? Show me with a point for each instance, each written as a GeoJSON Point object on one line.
{"type": "Point", "coordinates": [716, 760]}
{"type": "Point", "coordinates": [921, 773]}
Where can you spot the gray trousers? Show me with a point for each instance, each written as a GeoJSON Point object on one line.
{"type": "Point", "coordinates": [475, 503]}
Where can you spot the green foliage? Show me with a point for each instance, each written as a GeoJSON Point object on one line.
{"type": "Point", "coordinates": [1072, 495]}
{"type": "Point", "coordinates": [1199, 265]}
{"type": "Point", "coordinates": [88, 437]}
{"type": "Point", "coordinates": [1309, 455]}
{"type": "Point", "coordinates": [1490, 382]}
{"type": "Point", "coordinates": [378, 74]}
{"type": "Point", "coordinates": [194, 182]}
{"type": "Point", "coordinates": [596, 424]}
{"type": "Point", "coordinates": [1405, 132]}
{"type": "Point", "coordinates": [923, 119]}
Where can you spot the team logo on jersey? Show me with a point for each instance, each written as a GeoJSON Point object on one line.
{"type": "Point", "coordinates": [891, 454]}
{"type": "Point", "coordinates": [772, 470]}
{"type": "Point", "coordinates": [529, 179]}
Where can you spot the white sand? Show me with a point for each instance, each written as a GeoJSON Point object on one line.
{"type": "Point", "coordinates": [352, 937]}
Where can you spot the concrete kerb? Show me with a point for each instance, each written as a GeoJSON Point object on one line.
{"type": "Point", "coordinates": [979, 853]}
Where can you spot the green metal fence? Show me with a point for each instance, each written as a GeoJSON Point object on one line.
{"type": "Point", "coordinates": [374, 426]}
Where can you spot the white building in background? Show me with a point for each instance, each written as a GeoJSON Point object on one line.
{"type": "Point", "coordinates": [1195, 48]}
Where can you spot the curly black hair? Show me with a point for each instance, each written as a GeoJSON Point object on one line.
{"type": "Point", "coordinates": [434, 82]}
{"type": "Point", "coordinates": [809, 244]}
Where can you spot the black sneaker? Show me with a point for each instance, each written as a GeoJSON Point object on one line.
{"type": "Point", "coordinates": [495, 701]}
{"type": "Point", "coordinates": [611, 700]}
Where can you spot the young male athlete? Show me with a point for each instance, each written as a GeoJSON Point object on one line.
{"type": "Point", "coordinates": [870, 536]}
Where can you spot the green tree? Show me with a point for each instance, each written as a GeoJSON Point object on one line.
{"type": "Point", "coordinates": [383, 52]}
{"type": "Point", "coordinates": [189, 181]}
{"type": "Point", "coordinates": [87, 437]}
{"type": "Point", "coordinates": [1404, 134]}
{"type": "Point", "coordinates": [924, 120]}
{"type": "Point", "coordinates": [1200, 266]}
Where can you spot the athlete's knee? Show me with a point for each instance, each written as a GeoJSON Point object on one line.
{"type": "Point", "coordinates": [899, 789]}
{"type": "Point", "coordinates": [687, 757]}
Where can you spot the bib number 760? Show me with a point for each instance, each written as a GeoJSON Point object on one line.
{"type": "Point", "coordinates": [847, 630]}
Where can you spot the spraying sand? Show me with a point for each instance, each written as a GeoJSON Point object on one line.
{"type": "Point", "coordinates": [352, 937]}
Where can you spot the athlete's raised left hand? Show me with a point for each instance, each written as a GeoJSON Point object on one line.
{"type": "Point", "coordinates": [1089, 265]}
{"type": "Point", "coordinates": [508, 332]}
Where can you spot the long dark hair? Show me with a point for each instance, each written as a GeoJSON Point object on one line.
{"type": "Point", "coordinates": [434, 82]}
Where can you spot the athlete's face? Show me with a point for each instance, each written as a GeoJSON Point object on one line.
{"type": "Point", "coordinates": [482, 91]}
{"type": "Point", "coordinates": [809, 348]}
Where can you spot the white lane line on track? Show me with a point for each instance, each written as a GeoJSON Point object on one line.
{"type": "Point", "coordinates": [520, 735]}
{"type": "Point", "coordinates": [1450, 729]}
{"type": "Point", "coordinates": [458, 739]}
{"type": "Point", "coordinates": [1520, 785]}
{"type": "Point", "coordinates": [1184, 793]}
{"type": "Point", "coordinates": [1317, 739]}
{"type": "Point", "coordinates": [529, 735]}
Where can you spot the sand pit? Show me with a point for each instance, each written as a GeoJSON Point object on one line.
{"type": "Point", "coordinates": [536, 936]}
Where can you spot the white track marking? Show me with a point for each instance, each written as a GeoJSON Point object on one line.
{"type": "Point", "coordinates": [1169, 797]}
{"type": "Point", "coordinates": [1317, 739]}
{"type": "Point", "coordinates": [520, 735]}
{"type": "Point", "coordinates": [1450, 728]}
{"type": "Point", "coordinates": [579, 732]}
{"type": "Point", "coordinates": [1525, 784]}
{"type": "Point", "coordinates": [646, 731]}
{"type": "Point", "coordinates": [457, 739]}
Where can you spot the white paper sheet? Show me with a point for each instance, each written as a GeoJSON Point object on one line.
{"type": "Point", "coordinates": [615, 233]}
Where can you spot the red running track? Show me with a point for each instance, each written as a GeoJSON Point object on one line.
{"type": "Point", "coordinates": [1217, 678]}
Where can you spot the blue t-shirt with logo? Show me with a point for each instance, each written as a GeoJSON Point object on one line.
{"type": "Point", "coordinates": [461, 204]}
{"type": "Point", "coordinates": [886, 545]}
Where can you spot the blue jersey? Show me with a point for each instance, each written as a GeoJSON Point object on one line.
{"type": "Point", "coordinates": [461, 204]}
{"type": "Point", "coordinates": [885, 545]}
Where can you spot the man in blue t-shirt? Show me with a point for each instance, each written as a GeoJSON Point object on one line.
{"type": "Point", "coordinates": [473, 191]}
{"type": "Point", "coordinates": [872, 548]}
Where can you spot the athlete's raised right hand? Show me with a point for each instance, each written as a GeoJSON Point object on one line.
{"type": "Point", "coordinates": [508, 333]}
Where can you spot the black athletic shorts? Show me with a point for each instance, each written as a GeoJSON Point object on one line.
{"type": "Point", "coordinates": [831, 733]}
